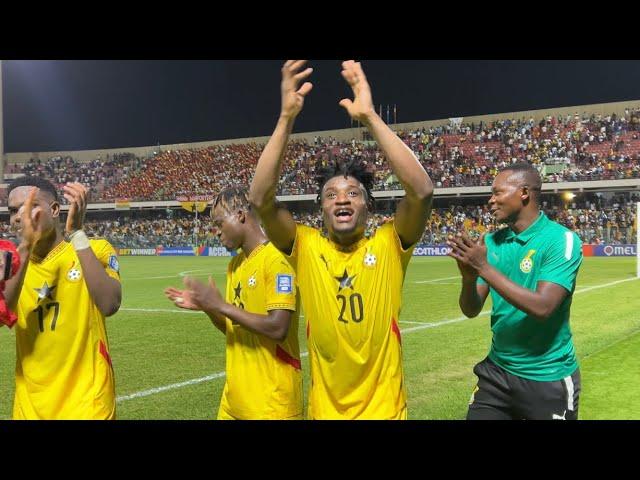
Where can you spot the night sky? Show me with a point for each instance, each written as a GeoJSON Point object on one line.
{"type": "Point", "coordinates": [78, 105]}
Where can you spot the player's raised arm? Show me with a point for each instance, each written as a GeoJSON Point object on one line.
{"type": "Point", "coordinates": [278, 222]}
{"type": "Point", "coordinates": [414, 210]}
{"type": "Point", "coordinates": [105, 291]}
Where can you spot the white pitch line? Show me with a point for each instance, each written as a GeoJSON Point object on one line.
{"type": "Point", "coordinates": [606, 347]}
{"type": "Point", "coordinates": [595, 287]}
{"type": "Point", "coordinates": [182, 274]}
{"type": "Point", "coordinates": [173, 386]}
{"type": "Point", "coordinates": [436, 279]}
{"type": "Point", "coordinates": [150, 278]}
{"type": "Point", "coordinates": [415, 323]}
{"type": "Point", "coordinates": [166, 310]}
{"type": "Point", "coordinates": [445, 322]}
{"type": "Point", "coordinates": [176, 276]}
{"type": "Point", "coordinates": [153, 391]}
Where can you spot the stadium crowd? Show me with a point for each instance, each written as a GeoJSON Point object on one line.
{"type": "Point", "coordinates": [564, 148]}
{"type": "Point", "coordinates": [593, 218]}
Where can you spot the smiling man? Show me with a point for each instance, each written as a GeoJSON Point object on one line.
{"type": "Point", "coordinates": [530, 268]}
{"type": "Point", "coordinates": [350, 285]}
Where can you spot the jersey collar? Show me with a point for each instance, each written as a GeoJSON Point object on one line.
{"type": "Point", "coordinates": [526, 235]}
{"type": "Point", "coordinates": [258, 249]}
{"type": "Point", "coordinates": [350, 248]}
{"type": "Point", "coordinates": [52, 253]}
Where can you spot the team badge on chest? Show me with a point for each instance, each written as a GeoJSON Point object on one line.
{"type": "Point", "coordinates": [370, 260]}
{"type": "Point", "coordinates": [252, 282]}
{"type": "Point", "coordinates": [526, 264]}
{"type": "Point", "coordinates": [74, 274]}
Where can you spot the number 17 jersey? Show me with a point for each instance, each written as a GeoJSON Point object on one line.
{"type": "Point", "coordinates": [63, 366]}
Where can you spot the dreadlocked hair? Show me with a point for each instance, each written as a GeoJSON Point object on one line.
{"type": "Point", "coordinates": [233, 199]}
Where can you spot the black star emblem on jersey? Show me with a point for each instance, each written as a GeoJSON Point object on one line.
{"type": "Point", "coordinates": [345, 280]}
{"type": "Point", "coordinates": [45, 291]}
{"type": "Point", "coordinates": [237, 291]}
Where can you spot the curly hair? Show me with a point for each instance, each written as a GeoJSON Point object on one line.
{"type": "Point", "coordinates": [352, 167]}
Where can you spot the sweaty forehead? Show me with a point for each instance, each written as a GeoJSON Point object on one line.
{"type": "Point", "coordinates": [340, 182]}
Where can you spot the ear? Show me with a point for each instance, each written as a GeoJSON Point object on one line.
{"type": "Point", "coordinates": [371, 204]}
{"type": "Point", "coordinates": [242, 216]}
{"type": "Point", "coordinates": [55, 209]}
{"type": "Point", "coordinates": [526, 194]}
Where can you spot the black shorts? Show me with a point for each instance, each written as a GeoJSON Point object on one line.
{"type": "Point", "coordinates": [500, 395]}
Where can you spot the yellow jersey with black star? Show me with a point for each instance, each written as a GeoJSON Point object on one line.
{"type": "Point", "coordinates": [352, 299]}
{"type": "Point", "coordinates": [63, 367]}
{"type": "Point", "coordinates": [264, 379]}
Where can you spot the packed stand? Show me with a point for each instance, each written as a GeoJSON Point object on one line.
{"type": "Point", "coordinates": [564, 148]}
{"type": "Point", "coordinates": [595, 218]}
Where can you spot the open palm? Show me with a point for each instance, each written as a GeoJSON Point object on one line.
{"type": "Point", "coordinates": [292, 95]}
{"type": "Point", "coordinates": [362, 104]}
{"type": "Point", "coordinates": [182, 298]}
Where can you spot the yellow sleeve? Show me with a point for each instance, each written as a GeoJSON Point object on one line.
{"type": "Point", "coordinates": [395, 242]}
{"type": "Point", "coordinates": [303, 235]}
{"type": "Point", "coordinates": [228, 295]}
{"type": "Point", "coordinates": [107, 256]}
{"type": "Point", "coordinates": [280, 286]}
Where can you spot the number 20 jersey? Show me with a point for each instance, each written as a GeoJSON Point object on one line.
{"type": "Point", "coordinates": [352, 299]}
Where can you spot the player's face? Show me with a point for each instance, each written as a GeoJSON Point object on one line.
{"type": "Point", "coordinates": [228, 227]}
{"type": "Point", "coordinates": [45, 209]}
{"type": "Point", "coordinates": [506, 199]}
{"type": "Point", "coordinates": [344, 208]}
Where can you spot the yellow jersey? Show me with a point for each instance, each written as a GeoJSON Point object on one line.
{"type": "Point", "coordinates": [352, 299]}
{"type": "Point", "coordinates": [263, 377]}
{"type": "Point", "coordinates": [63, 366]}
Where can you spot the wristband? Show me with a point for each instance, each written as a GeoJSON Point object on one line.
{"type": "Point", "coordinates": [79, 240]}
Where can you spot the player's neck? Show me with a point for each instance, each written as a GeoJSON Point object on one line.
{"type": "Point", "coordinates": [346, 241]}
{"type": "Point", "coordinates": [525, 219]}
{"type": "Point", "coordinates": [253, 240]}
{"type": "Point", "coordinates": [48, 243]}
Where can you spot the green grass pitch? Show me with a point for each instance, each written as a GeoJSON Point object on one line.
{"type": "Point", "coordinates": [169, 363]}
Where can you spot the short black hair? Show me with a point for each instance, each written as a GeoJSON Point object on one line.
{"type": "Point", "coordinates": [41, 183]}
{"type": "Point", "coordinates": [353, 167]}
{"type": "Point", "coordinates": [529, 174]}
